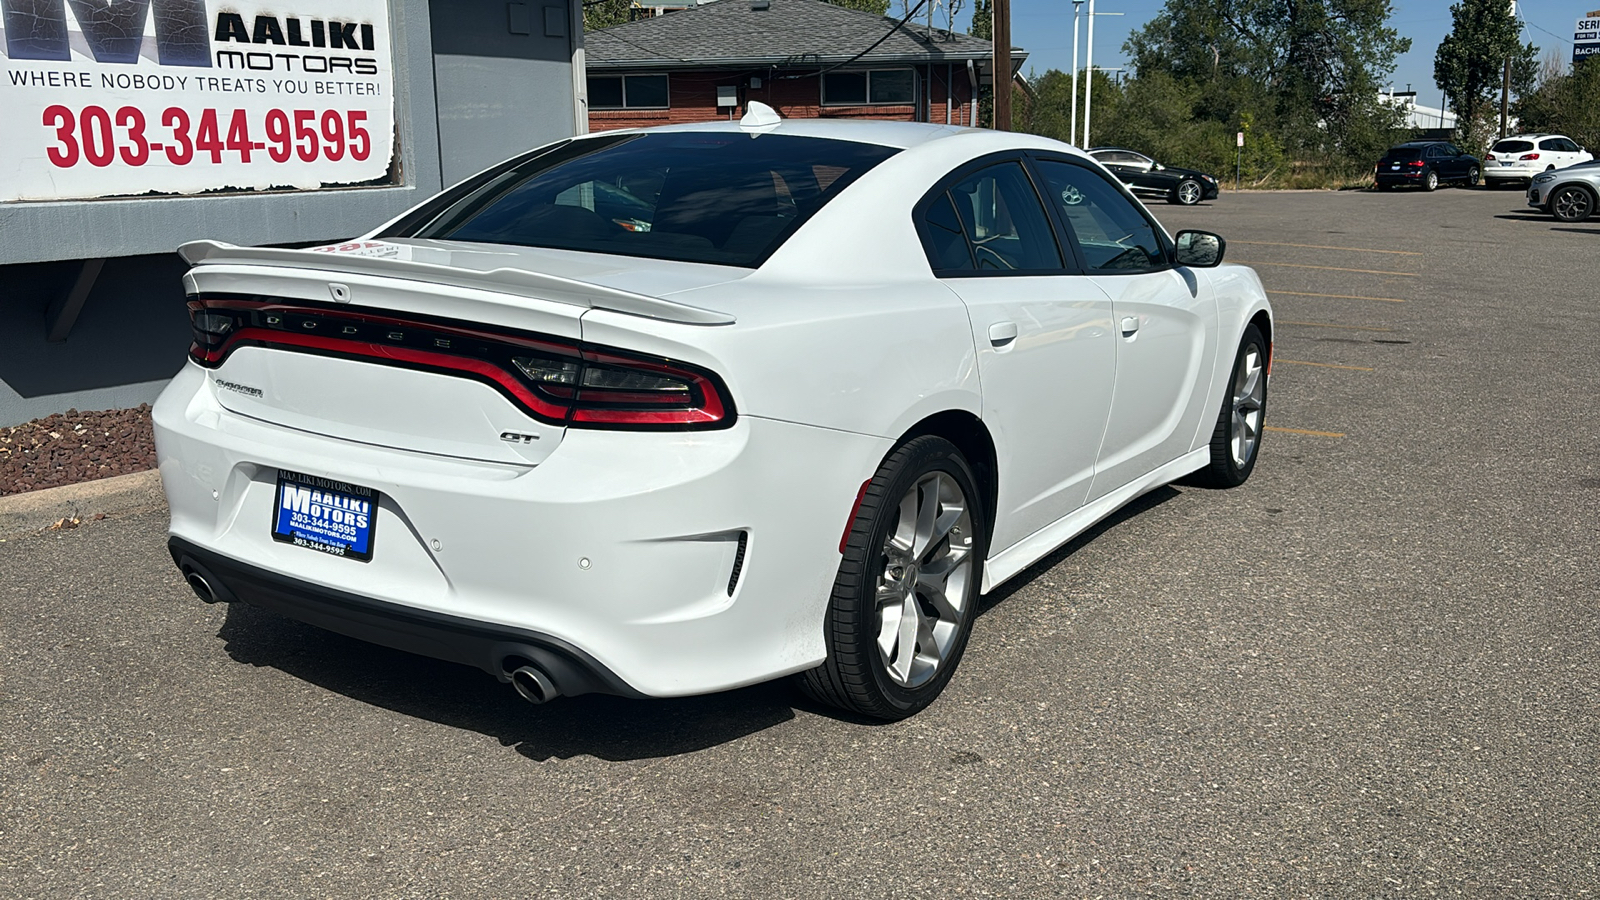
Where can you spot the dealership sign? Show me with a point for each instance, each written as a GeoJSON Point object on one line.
{"type": "Point", "coordinates": [104, 98]}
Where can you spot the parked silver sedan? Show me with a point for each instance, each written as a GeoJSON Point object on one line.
{"type": "Point", "coordinates": [1569, 194]}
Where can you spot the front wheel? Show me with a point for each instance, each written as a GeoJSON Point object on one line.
{"type": "Point", "coordinates": [1473, 175]}
{"type": "Point", "coordinates": [1236, 439]}
{"type": "Point", "coordinates": [1187, 193]}
{"type": "Point", "coordinates": [1571, 204]}
{"type": "Point", "coordinates": [907, 589]}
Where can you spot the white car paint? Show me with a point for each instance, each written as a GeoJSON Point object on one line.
{"type": "Point", "coordinates": [620, 543]}
{"type": "Point", "coordinates": [1549, 151]}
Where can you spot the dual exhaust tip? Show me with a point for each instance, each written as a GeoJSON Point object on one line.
{"type": "Point", "coordinates": [532, 683]}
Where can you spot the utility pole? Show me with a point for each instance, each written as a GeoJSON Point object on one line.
{"type": "Point", "coordinates": [1002, 64]}
{"type": "Point", "coordinates": [1072, 134]}
{"type": "Point", "coordinates": [1088, 76]}
{"type": "Point", "coordinates": [1505, 97]}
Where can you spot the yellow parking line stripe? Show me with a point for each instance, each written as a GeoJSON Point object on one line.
{"type": "Point", "coordinates": [1324, 247]}
{"type": "Point", "coordinates": [1304, 431]}
{"type": "Point", "coordinates": [1296, 362]}
{"type": "Point", "coordinates": [1334, 325]}
{"type": "Point", "coordinates": [1330, 268]}
{"type": "Point", "coordinates": [1337, 296]}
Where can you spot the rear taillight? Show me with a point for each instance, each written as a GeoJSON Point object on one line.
{"type": "Point", "coordinates": [1488, 157]}
{"type": "Point", "coordinates": [552, 380]}
{"type": "Point", "coordinates": [1417, 164]}
{"type": "Point", "coordinates": [1528, 156]}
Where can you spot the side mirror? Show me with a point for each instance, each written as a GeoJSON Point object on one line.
{"type": "Point", "coordinates": [1199, 249]}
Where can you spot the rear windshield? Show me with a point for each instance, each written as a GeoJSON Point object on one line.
{"type": "Point", "coordinates": [693, 196]}
{"type": "Point", "coordinates": [1405, 153]}
{"type": "Point", "coordinates": [1512, 147]}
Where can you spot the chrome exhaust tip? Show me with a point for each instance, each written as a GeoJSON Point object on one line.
{"type": "Point", "coordinates": [534, 685]}
{"type": "Point", "coordinates": [201, 587]}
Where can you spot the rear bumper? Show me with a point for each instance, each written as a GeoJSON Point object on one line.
{"type": "Point", "coordinates": [678, 563]}
{"type": "Point", "coordinates": [496, 649]}
{"type": "Point", "coordinates": [1508, 173]}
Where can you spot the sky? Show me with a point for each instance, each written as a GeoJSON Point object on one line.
{"type": "Point", "coordinates": [1044, 29]}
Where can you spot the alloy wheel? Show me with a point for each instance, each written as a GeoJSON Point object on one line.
{"type": "Point", "coordinates": [1189, 193]}
{"type": "Point", "coordinates": [1249, 399]}
{"type": "Point", "coordinates": [923, 586]}
{"type": "Point", "coordinates": [1571, 205]}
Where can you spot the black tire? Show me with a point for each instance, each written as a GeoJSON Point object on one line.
{"type": "Point", "coordinates": [1224, 471]}
{"type": "Point", "coordinates": [1385, 187]}
{"type": "Point", "coordinates": [1187, 193]}
{"type": "Point", "coordinates": [1430, 180]}
{"type": "Point", "coordinates": [1571, 203]}
{"type": "Point", "coordinates": [1472, 176]}
{"type": "Point", "coordinates": [855, 675]}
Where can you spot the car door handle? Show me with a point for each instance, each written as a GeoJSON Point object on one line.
{"type": "Point", "coordinates": [1130, 326]}
{"type": "Point", "coordinates": [1001, 334]}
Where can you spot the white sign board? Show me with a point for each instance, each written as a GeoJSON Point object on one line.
{"type": "Point", "coordinates": [119, 98]}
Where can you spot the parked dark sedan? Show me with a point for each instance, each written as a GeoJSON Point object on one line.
{"type": "Point", "coordinates": [1425, 164]}
{"type": "Point", "coordinates": [1147, 177]}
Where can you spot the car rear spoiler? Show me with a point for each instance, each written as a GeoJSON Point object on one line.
{"type": "Point", "coordinates": [521, 282]}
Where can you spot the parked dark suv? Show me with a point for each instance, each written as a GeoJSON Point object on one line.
{"type": "Point", "coordinates": [1425, 164]}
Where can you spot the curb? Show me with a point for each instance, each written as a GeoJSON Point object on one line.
{"type": "Point", "coordinates": [35, 511]}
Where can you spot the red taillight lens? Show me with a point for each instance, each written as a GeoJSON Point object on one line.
{"type": "Point", "coordinates": [552, 380]}
{"type": "Point", "coordinates": [1528, 156]}
{"type": "Point", "coordinates": [1417, 164]}
{"type": "Point", "coordinates": [1488, 157]}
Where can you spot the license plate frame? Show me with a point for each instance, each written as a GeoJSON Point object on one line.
{"type": "Point", "coordinates": [325, 514]}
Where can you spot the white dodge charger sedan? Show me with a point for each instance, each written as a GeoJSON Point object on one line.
{"type": "Point", "coordinates": [671, 411]}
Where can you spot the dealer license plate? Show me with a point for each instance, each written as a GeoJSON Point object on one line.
{"type": "Point", "coordinates": [321, 514]}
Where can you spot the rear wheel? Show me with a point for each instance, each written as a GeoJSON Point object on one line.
{"type": "Point", "coordinates": [1187, 193]}
{"type": "Point", "coordinates": [907, 589]}
{"type": "Point", "coordinates": [1236, 439]}
{"type": "Point", "coordinates": [1571, 204]}
{"type": "Point", "coordinates": [1430, 180]}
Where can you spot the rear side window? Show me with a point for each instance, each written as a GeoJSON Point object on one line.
{"type": "Point", "coordinates": [1005, 224]}
{"type": "Point", "coordinates": [1110, 231]}
{"type": "Point", "coordinates": [691, 196]}
{"type": "Point", "coordinates": [1512, 147]}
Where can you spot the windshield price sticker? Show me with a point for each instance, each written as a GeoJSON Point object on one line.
{"type": "Point", "coordinates": [187, 96]}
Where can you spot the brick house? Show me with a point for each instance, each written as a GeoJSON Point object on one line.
{"type": "Point", "coordinates": [797, 56]}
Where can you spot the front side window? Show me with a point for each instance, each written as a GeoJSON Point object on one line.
{"type": "Point", "coordinates": [628, 92]}
{"type": "Point", "coordinates": [1109, 230]}
{"type": "Point", "coordinates": [877, 87]}
{"type": "Point", "coordinates": [1005, 225]}
{"type": "Point", "coordinates": [691, 196]}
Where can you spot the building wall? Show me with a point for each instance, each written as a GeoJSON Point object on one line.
{"type": "Point", "coordinates": [692, 96]}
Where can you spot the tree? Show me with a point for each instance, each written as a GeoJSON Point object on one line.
{"type": "Point", "coordinates": [1470, 63]}
{"type": "Point", "coordinates": [598, 14]}
{"type": "Point", "coordinates": [876, 7]}
{"type": "Point", "coordinates": [1301, 68]}
{"type": "Point", "coordinates": [1564, 103]}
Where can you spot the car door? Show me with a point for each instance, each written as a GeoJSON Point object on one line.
{"type": "Point", "coordinates": [1043, 333]}
{"type": "Point", "coordinates": [1165, 324]}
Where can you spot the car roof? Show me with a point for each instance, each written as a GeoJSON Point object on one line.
{"type": "Point", "coordinates": [901, 135]}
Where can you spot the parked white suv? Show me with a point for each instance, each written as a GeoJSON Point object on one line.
{"type": "Point", "coordinates": [1516, 159]}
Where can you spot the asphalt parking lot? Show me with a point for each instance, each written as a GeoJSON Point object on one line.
{"type": "Point", "coordinates": [1370, 672]}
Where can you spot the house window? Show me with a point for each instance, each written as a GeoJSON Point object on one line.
{"type": "Point", "coordinates": [628, 92]}
{"type": "Point", "coordinates": [876, 87]}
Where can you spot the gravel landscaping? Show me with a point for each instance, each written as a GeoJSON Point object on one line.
{"type": "Point", "coordinates": [74, 446]}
